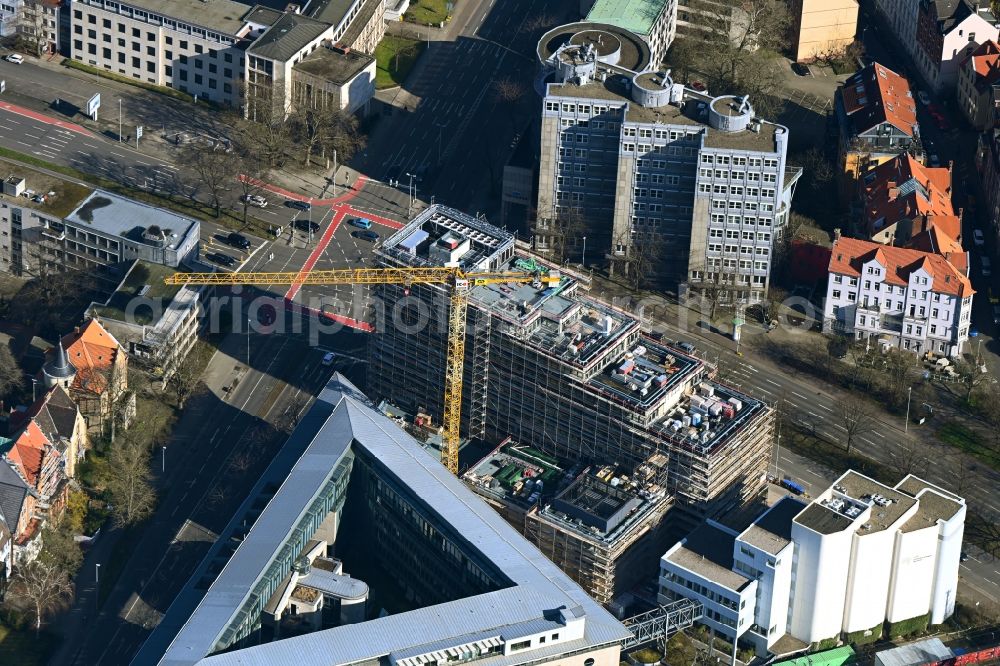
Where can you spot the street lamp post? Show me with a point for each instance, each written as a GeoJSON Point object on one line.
{"type": "Point", "coordinates": [409, 207]}
{"type": "Point", "coordinates": [97, 589]}
{"type": "Point", "coordinates": [119, 120]}
{"type": "Point", "coordinates": [909, 393]}
{"type": "Point", "coordinates": [248, 343]}
{"type": "Point", "coordinates": [163, 465]}
{"type": "Point", "coordinates": [34, 385]}
{"type": "Point", "coordinates": [583, 255]}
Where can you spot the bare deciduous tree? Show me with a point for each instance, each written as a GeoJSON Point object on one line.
{"type": "Point", "coordinates": [856, 415]}
{"type": "Point", "coordinates": [184, 382]}
{"type": "Point", "coordinates": [216, 170]}
{"type": "Point", "coordinates": [41, 588]}
{"type": "Point", "coordinates": [132, 495]}
{"type": "Point", "coordinates": [10, 372]}
{"type": "Point", "coordinates": [558, 231]}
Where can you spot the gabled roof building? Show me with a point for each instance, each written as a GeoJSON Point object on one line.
{"type": "Point", "coordinates": [904, 202]}
{"type": "Point", "coordinates": [877, 117]}
{"type": "Point", "coordinates": [899, 297]}
{"type": "Point", "coordinates": [979, 85]}
{"type": "Point", "coordinates": [947, 31]}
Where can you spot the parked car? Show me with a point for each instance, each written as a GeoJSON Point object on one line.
{"type": "Point", "coordinates": [801, 69]}
{"type": "Point", "coordinates": [306, 225]}
{"type": "Point", "coordinates": [366, 235]}
{"type": "Point", "coordinates": [361, 223]}
{"type": "Point", "coordinates": [977, 237]}
{"type": "Point", "coordinates": [996, 315]}
{"type": "Point", "coordinates": [238, 240]}
{"type": "Point", "coordinates": [15, 58]}
{"type": "Point", "coordinates": [964, 557]}
{"type": "Point", "coordinates": [221, 259]}
{"type": "Point", "coordinates": [254, 200]}
{"type": "Point", "coordinates": [328, 358]}
{"type": "Point", "coordinates": [924, 98]}
{"type": "Point", "coordinates": [934, 160]}
{"type": "Point", "coordinates": [686, 347]}
{"type": "Point", "coordinates": [985, 268]}
{"type": "Point", "coordinates": [301, 205]}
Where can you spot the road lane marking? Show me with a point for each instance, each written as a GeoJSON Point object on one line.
{"type": "Point", "coordinates": [800, 395]}
{"type": "Point", "coordinates": [771, 381]}
{"type": "Point", "coordinates": [824, 407]}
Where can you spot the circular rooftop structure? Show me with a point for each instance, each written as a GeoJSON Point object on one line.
{"type": "Point", "coordinates": [652, 89]}
{"type": "Point", "coordinates": [730, 113]}
{"type": "Point", "coordinates": [611, 45]}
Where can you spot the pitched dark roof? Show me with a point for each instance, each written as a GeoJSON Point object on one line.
{"type": "Point", "coordinates": [287, 36]}
{"type": "Point", "coordinates": [59, 367]}
{"type": "Point", "coordinates": [13, 491]}
{"type": "Point", "coordinates": [55, 413]}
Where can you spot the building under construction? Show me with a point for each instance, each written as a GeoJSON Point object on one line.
{"type": "Point", "coordinates": [605, 529]}
{"type": "Point", "coordinates": [551, 367]}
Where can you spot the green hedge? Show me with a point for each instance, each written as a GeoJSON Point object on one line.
{"type": "Point", "coordinates": [827, 644]}
{"type": "Point", "coordinates": [914, 625]}
{"type": "Point", "coordinates": [859, 637]}
{"type": "Point", "coordinates": [105, 74]}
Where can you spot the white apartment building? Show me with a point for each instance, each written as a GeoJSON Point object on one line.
{"type": "Point", "coordinates": [200, 47]}
{"type": "Point", "coordinates": [897, 297]}
{"type": "Point", "coordinates": [644, 161]}
{"type": "Point", "coordinates": [861, 554]}
{"type": "Point", "coordinates": [947, 32]}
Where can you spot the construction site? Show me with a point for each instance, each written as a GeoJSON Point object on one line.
{"type": "Point", "coordinates": [549, 366]}
{"type": "Point", "coordinates": [604, 528]}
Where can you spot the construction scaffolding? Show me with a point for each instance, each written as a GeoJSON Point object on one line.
{"type": "Point", "coordinates": [566, 373]}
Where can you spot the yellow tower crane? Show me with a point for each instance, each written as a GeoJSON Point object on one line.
{"type": "Point", "coordinates": [459, 280]}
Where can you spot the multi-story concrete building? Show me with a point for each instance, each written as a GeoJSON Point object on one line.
{"type": "Point", "coordinates": [560, 371]}
{"type": "Point", "coordinates": [661, 176]}
{"type": "Point", "coordinates": [605, 530]}
{"type": "Point", "coordinates": [822, 27]}
{"type": "Point", "coordinates": [204, 48]}
{"type": "Point", "coordinates": [947, 32]}
{"type": "Point", "coordinates": [157, 323]}
{"type": "Point", "coordinates": [862, 554]}
{"type": "Point", "coordinates": [62, 225]}
{"type": "Point", "coordinates": [350, 485]}
{"type": "Point", "coordinates": [979, 85]}
{"type": "Point", "coordinates": [655, 21]}
{"type": "Point", "coordinates": [877, 117]}
{"type": "Point", "coordinates": [898, 297]}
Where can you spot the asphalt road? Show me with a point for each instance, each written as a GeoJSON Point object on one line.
{"type": "Point", "coordinates": [450, 130]}
{"type": "Point", "coordinates": [211, 461]}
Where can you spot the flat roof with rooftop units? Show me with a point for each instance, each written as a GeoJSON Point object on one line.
{"type": "Point", "coordinates": [602, 503]}
{"type": "Point", "coordinates": [856, 499]}
{"type": "Point", "coordinates": [440, 234]}
{"type": "Point", "coordinates": [646, 374]}
{"type": "Point", "coordinates": [708, 417]}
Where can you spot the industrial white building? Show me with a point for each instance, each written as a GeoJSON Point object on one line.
{"type": "Point", "coordinates": [893, 296]}
{"type": "Point", "coordinates": [861, 554]}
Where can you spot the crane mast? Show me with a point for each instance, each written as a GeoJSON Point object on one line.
{"type": "Point", "coordinates": [459, 282]}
